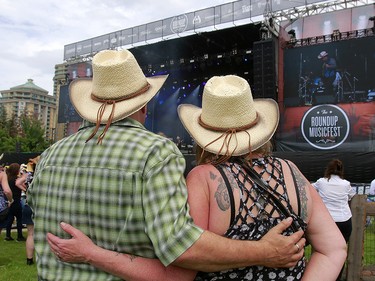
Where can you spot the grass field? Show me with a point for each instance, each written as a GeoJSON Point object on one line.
{"type": "Point", "coordinates": [369, 245]}
{"type": "Point", "coordinates": [13, 257]}
{"type": "Point", "coordinates": [13, 261]}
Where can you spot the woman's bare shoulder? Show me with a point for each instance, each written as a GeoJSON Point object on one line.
{"type": "Point", "coordinates": [202, 170]}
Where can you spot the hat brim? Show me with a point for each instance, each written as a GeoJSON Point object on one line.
{"type": "Point", "coordinates": [322, 56]}
{"type": "Point", "coordinates": [261, 133]}
{"type": "Point", "coordinates": [80, 96]}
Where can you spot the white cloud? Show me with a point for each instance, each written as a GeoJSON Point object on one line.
{"type": "Point", "coordinates": [34, 32]}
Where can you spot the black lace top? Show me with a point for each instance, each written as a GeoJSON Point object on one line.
{"type": "Point", "coordinates": [255, 216]}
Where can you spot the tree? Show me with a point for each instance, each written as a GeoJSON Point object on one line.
{"type": "Point", "coordinates": [23, 133]}
{"type": "Point", "coordinates": [7, 143]}
{"type": "Point", "coordinates": [32, 134]}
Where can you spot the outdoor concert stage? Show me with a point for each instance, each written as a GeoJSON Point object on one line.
{"type": "Point", "coordinates": [318, 116]}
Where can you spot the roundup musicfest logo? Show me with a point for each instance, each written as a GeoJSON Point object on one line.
{"type": "Point", "coordinates": [325, 126]}
{"type": "Point", "coordinates": [179, 24]}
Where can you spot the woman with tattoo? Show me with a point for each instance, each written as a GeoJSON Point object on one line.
{"type": "Point", "coordinates": [233, 134]}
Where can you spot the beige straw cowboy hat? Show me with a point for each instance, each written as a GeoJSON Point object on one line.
{"type": "Point", "coordinates": [230, 122]}
{"type": "Point", "coordinates": [118, 88]}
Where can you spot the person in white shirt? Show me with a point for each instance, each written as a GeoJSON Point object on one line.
{"type": "Point", "coordinates": [336, 192]}
{"type": "Point", "coordinates": [371, 194]}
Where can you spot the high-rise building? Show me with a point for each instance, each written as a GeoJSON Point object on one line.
{"type": "Point", "coordinates": [33, 100]}
{"type": "Point", "coordinates": [60, 79]}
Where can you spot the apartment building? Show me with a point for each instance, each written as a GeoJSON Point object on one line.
{"type": "Point", "coordinates": [35, 101]}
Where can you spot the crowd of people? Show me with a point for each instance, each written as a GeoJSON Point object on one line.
{"type": "Point", "coordinates": [15, 181]}
{"type": "Point", "coordinates": [111, 202]}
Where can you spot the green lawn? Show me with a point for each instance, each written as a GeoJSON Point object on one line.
{"type": "Point", "coordinates": [13, 257]}
{"type": "Point", "coordinates": [369, 245]}
{"type": "Point", "coordinates": [13, 261]}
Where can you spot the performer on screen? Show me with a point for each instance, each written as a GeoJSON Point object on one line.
{"type": "Point", "coordinates": [328, 72]}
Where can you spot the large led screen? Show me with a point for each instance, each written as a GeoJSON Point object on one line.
{"type": "Point", "coordinates": [329, 108]}
{"type": "Point", "coordinates": [335, 72]}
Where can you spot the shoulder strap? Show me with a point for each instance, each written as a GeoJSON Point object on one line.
{"type": "Point", "coordinates": [266, 188]}
{"type": "Point", "coordinates": [231, 198]}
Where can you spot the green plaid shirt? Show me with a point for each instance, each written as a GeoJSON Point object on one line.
{"type": "Point", "coordinates": [128, 194]}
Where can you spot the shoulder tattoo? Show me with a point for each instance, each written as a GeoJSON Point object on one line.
{"type": "Point", "coordinates": [221, 194]}
{"type": "Point", "coordinates": [302, 185]}
{"type": "Point", "coordinates": [212, 176]}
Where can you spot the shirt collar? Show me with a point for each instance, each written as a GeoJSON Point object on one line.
{"type": "Point", "coordinates": [127, 122]}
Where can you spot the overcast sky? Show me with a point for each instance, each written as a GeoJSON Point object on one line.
{"type": "Point", "coordinates": [33, 33]}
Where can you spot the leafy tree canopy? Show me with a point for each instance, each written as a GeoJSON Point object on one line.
{"type": "Point", "coordinates": [23, 133]}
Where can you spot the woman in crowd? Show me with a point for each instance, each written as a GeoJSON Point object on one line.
{"type": "Point", "coordinates": [336, 192]}
{"type": "Point", "coordinates": [15, 209]}
{"type": "Point", "coordinates": [6, 192]}
{"type": "Point", "coordinates": [232, 132]}
{"type": "Point", "coordinates": [24, 182]}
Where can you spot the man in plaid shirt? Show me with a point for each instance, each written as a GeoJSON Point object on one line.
{"type": "Point", "coordinates": [126, 189]}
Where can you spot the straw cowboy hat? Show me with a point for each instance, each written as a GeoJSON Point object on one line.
{"type": "Point", "coordinates": [322, 54]}
{"type": "Point", "coordinates": [118, 81]}
{"type": "Point", "coordinates": [32, 163]}
{"type": "Point", "coordinates": [230, 122]}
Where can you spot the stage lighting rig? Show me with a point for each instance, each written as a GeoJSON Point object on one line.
{"type": "Point", "coordinates": [292, 33]}
{"type": "Point", "coordinates": [373, 24]}
{"type": "Point", "coordinates": [336, 35]}
{"type": "Point", "coordinates": [264, 34]}
{"type": "Point", "coordinates": [293, 39]}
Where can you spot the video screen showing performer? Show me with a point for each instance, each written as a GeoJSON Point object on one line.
{"type": "Point", "coordinates": [330, 73]}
